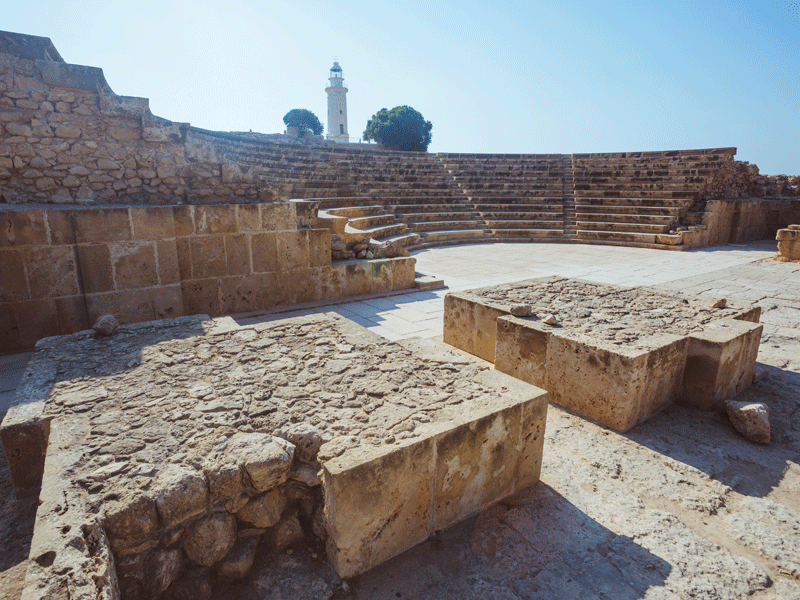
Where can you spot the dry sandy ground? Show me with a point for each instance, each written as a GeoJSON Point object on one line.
{"type": "Point", "coordinates": [679, 507]}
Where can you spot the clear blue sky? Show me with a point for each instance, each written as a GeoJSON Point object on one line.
{"type": "Point", "coordinates": [526, 76]}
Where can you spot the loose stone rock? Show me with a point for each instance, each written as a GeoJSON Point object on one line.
{"type": "Point", "coordinates": [263, 510]}
{"type": "Point", "coordinates": [522, 310]}
{"type": "Point", "coordinates": [106, 325]}
{"type": "Point", "coordinates": [551, 320]}
{"type": "Point", "coordinates": [751, 419]}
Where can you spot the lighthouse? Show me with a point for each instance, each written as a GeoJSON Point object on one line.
{"type": "Point", "coordinates": [337, 106]}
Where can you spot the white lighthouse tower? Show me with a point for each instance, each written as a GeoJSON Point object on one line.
{"type": "Point", "coordinates": [337, 106]}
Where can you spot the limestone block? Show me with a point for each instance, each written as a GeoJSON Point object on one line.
{"type": "Point", "coordinates": [788, 235]}
{"type": "Point", "coordinates": [210, 538]}
{"type": "Point", "coordinates": [133, 264]}
{"type": "Point", "coordinates": [13, 283]}
{"type": "Point", "coordinates": [333, 282]}
{"type": "Point", "coordinates": [102, 225]}
{"type": "Point", "coordinates": [292, 249]}
{"type": "Point", "coordinates": [21, 228]}
{"type": "Point", "coordinates": [95, 267]}
{"type": "Point", "coordinates": [124, 134]}
{"type": "Point", "coordinates": [218, 218]}
{"type": "Point", "coordinates": [302, 285]}
{"type": "Point", "coordinates": [180, 493]}
{"type": "Point", "coordinates": [183, 218]}
{"type": "Point", "coordinates": [266, 459]}
{"type": "Point", "coordinates": [265, 252]}
{"type": "Point", "coordinates": [224, 479]}
{"type": "Point", "coordinates": [245, 293]}
{"type": "Point", "coordinates": [521, 349]}
{"type": "Point", "coordinates": [208, 256]}
{"type": "Point", "coordinates": [278, 216]}
{"type": "Point", "coordinates": [237, 254]}
{"type": "Point", "coordinates": [9, 330]}
{"type": "Point", "coordinates": [263, 510]}
{"type": "Point", "coordinates": [378, 506]}
{"type": "Point", "coordinates": [476, 463]}
{"type": "Point", "coordinates": [287, 532]}
{"type": "Point", "coordinates": [470, 325]}
{"type": "Point", "coordinates": [167, 301]}
{"type": "Point", "coordinates": [789, 249]}
{"type": "Point", "coordinates": [248, 218]}
{"type": "Point", "coordinates": [38, 318]}
{"type": "Point", "coordinates": [201, 296]}
{"type": "Point", "coordinates": [71, 314]}
{"type": "Point", "coordinates": [152, 222]}
{"type": "Point", "coordinates": [319, 247]}
{"type": "Point", "coordinates": [167, 260]}
{"type": "Point", "coordinates": [128, 306]}
{"type": "Point", "coordinates": [60, 226]}
{"type": "Point", "coordinates": [131, 517]}
{"type": "Point", "coordinates": [403, 273]}
{"type": "Point", "coordinates": [720, 362]}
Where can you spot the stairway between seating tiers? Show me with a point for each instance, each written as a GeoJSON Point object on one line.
{"type": "Point", "coordinates": [421, 200]}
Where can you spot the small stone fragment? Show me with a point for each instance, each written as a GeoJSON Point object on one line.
{"type": "Point", "coordinates": [551, 320]}
{"type": "Point", "coordinates": [522, 310]}
{"type": "Point", "coordinates": [106, 325]}
{"type": "Point", "coordinates": [721, 303]}
{"type": "Point", "coordinates": [761, 372]}
{"type": "Point", "coordinates": [751, 419]}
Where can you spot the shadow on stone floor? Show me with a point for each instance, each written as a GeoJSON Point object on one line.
{"type": "Point", "coordinates": [16, 531]}
{"type": "Point", "coordinates": [534, 544]}
{"type": "Point", "coordinates": [707, 441]}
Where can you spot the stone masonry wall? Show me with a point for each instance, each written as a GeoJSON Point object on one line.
{"type": "Point", "coordinates": [66, 137]}
{"type": "Point", "coordinates": [64, 267]}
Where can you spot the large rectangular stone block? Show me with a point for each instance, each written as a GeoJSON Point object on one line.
{"type": "Point", "coordinates": [720, 362]}
{"type": "Point", "coordinates": [470, 326]}
{"type": "Point", "coordinates": [23, 228]}
{"type": "Point", "coordinates": [208, 256]}
{"type": "Point", "coordinates": [102, 225]}
{"type": "Point", "coordinates": [51, 271]}
{"type": "Point", "coordinates": [13, 283]}
{"type": "Point", "coordinates": [264, 251]}
{"type": "Point", "coordinates": [134, 265]}
{"type": "Point", "coordinates": [292, 248]}
{"type": "Point", "coordinates": [152, 222]}
{"type": "Point", "coordinates": [97, 274]}
{"type": "Point", "coordinates": [217, 218]}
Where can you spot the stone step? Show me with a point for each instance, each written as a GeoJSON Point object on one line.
{"type": "Point", "coordinates": [450, 235]}
{"type": "Point", "coordinates": [520, 207]}
{"type": "Point", "coordinates": [616, 236]}
{"type": "Point", "coordinates": [404, 239]}
{"type": "Point", "coordinates": [420, 217]}
{"type": "Point", "coordinates": [589, 196]}
{"type": "Point", "coordinates": [671, 211]}
{"type": "Point", "coordinates": [434, 207]}
{"type": "Point", "coordinates": [622, 227]}
{"type": "Point", "coordinates": [425, 226]}
{"type": "Point", "coordinates": [381, 231]}
{"type": "Point", "coordinates": [521, 215]}
{"type": "Point", "coordinates": [353, 212]}
{"type": "Point", "coordinates": [626, 218]}
{"type": "Point", "coordinates": [372, 221]}
{"type": "Point", "coordinates": [523, 224]}
{"type": "Point", "coordinates": [526, 232]}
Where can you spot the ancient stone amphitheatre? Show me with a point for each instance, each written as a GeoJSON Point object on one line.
{"type": "Point", "coordinates": [290, 407]}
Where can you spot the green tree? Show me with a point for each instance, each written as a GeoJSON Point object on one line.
{"type": "Point", "coordinates": [304, 119]}
{"type": "Point", "coordinates": [402, 127]}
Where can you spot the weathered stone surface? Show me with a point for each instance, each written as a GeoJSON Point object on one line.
{"type": "Point", "coordinates": [266, 459]}
{"type": "Point", "coordinates": [239, 560]}
{"type": "Point", "coordinates": [263, 510]}
{"type": "Point", "coordinates": [210, 538]}
{"type": "Point", "coordinates": [614, 354]}
{"type": "Point", "coordinates": [181, 493]}
{"type": "Point", "coordinates": [750, 419]}
{"type": "Point", "coordinates": [106, 325]}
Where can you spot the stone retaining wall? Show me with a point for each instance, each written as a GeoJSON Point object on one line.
{"type": "Point", "coordinates": [64, 267]}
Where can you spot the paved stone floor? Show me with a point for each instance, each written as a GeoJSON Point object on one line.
{"type": "Point", "coordinates": [678, 507]}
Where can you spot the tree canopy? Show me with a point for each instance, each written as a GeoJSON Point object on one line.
{"type": "Point", "coordinates": [304, 119]}
{"type": "Point", "coordinates": [402, 127]}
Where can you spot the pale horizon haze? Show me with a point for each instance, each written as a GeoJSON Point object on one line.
{"type": "Point", "coordinates": [502, 77]}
